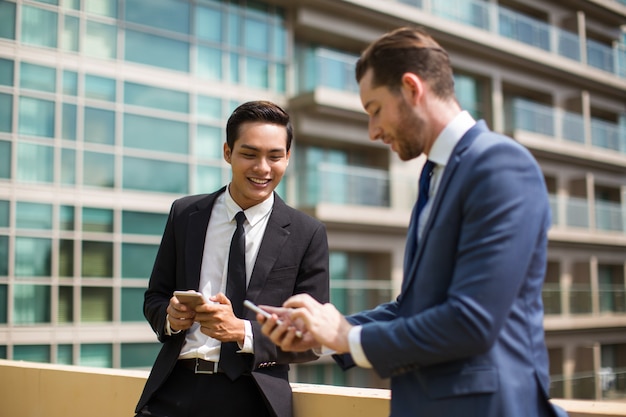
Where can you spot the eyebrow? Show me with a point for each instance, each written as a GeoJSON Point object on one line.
{"type": "Point", "coordinates": [254, 148]}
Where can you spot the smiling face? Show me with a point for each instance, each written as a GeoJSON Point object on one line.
{"type": "Point", "coordinates": [258, 162]}
{"type": "Point", "coordinates": [392, 118]}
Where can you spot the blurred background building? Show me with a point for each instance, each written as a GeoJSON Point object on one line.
{"type": "Point", "coordinates": [111, 109]}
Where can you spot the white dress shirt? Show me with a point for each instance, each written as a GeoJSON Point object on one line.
{"type": "Point", "coordinates": [439, 154]}
{"type": "Point", "coordinates": [214, 268]}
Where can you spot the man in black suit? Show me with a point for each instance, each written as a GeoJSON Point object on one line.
{"type": "Point", "coordinates": [286, 253]}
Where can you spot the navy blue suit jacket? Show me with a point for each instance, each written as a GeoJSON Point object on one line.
{"type": "Point", "coordinates": [465, 337]}
{"type": "Point", "coordinates": [292, 259]}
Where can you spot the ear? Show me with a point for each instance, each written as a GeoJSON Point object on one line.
{"type": "Point", "coordinates": [288, 155]}
{"type": "Point", "coordinates": [412, 87]}
{"type": "Point", "coordinates": [227, 153]}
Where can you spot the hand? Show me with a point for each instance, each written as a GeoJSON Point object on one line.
{"type": "Point", "coordinates": [218, 320]}
{"type": "Point", "coordinates": [284, 334]}
{"type": "Point", "coordinates": [323, 321]}
{"type": "Point", "coordinates": [180, 316]}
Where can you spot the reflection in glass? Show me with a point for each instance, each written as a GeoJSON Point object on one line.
{"type": "Point", "coordinates": [66, 218]}
{"type": "Point", "coordinates": [157, 176]}
{"type": "Point", "coordinates": [32, 353]}
{"type": "Point", "coordinates": [157, 51]}
{"type": "Point", "coordinates": [209, 63]}
{"type": "Point", "coordinates": [39, 27]}
{"type": "Point", "coordinates": [106, 8]}
{"type": "Point", "coordinates": [97, 259]}
{"type": "Point", "coordinates": [32, 256]}
{"type": "Point", "coordinates": [100, 40]}
{"type": "Point", "coordinates": [66, 258]}
{"type": "Point", "coordinates": [34, 162]}
{"type": "Point", "coordinates": [99, 126]}
{"type": "Point", "coordinates": [70, 33]}
{"type": "Point", "coordinates": [70, 83]}
{"type": "Point", "coordinates": [137, 260]}
{"type": "Point", "coordinates": [37, 77]}
{"type": "Point", "coordinates": [98, 169]}
{"type": "Point", "coordinates": [68, 166]}
{"type": "Point", "coordinates": [143, 132]}
{"type": "Point", "coordinates": [36, 117]}
{"type": "Point", "coordinates": [31, 304]}
{"type": "Point", "coordinates": [97, 220]}
{"type": "Point", "coordinates": [65, 355]}
{"type": "Point", "coordinates": [142, 223]}
{"type": "Point", "coordinates": [33, 216]}
{"type": "Point", "coordinates": [96, 355]}
{"type": "Point", "coordinates": [100, 88]}
{"type": "Point", "coordinates": [96, 304]}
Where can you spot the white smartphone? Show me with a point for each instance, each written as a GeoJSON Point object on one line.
{"type": "Point", "coordinates": [265, 314]}
{"type": "Point", "coordinates": [190, 298]}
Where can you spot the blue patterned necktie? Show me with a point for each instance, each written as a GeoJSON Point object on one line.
{"type": "Point", "coordinates": [424, 188]}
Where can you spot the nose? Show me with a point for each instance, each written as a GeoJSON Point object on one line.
{"type": "Point", "coordinates": [374, 131]}
{"type": "Point", "coordinates": [262, 165]}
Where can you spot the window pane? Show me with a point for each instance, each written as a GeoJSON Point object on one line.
{"type": "Point", "coordinates": [208, 178]}
{"type": "Point", "coordinates": [139, 355]}
{"type": "Point", "coordinates": [97, 355]}
{"type": "Point", "coordinates": [140, 223]}
{"type": "Point", "coordinates": [162, 14]}
{"type": "Point", "coordinates": [209, 63]}
{"type": "Point", "coordinates": [100, 88]}
{"type": "Point", "coordinates": [65, 355]}
{"type": "Point", "coordinates": [209, 143]}
{"type": "Point", "coordinates": [7, 20]}
{"type": "Point", "coordinates": [70, 83]}
{"type": "Point", "coordinates": [34, 163]}
{"type": "Point", "coordinates": [96, 304]}
{"type": "Point", "coordinates": [32, 353]}
{"type": "Point", "coordinates": [5, 206]}
{"type": "Point", "coordinates": [5, 159]}
{"type": "Point", "coordinates": [6, 113]}
{"type": "Point", "coordinates": [209, 24]}
{"type": "Point", "coordinates": [66, 258]}
{"type": "Point", "coordinates": [102, 7]}
{"type": "Point", "coordinates": [32, 256]}
{"type": "Point", "coordinates": [137, 260]}
{"type": "Point", "coordinates": [31, 304]}
{"type": "Point", "coordinates": [36, 117]}
{"type": "Point", "coordinates": [68, 166]}
{"type": "Point", "coordinates": [68, 122]}
{"type": "Point", "coordinates": [157, 51]}
{"type": "Point", "coordinates": [157, 98]}
{"type": "Point", "coordinates": [37, 77]}
{"type": "Point", "coordinates": [66, 305]}
{"type": "Point", "coordinates": [4, 256]}
{"type": "Point", "coordinates": [39, 27]}
{"type": "Point", "coordinates": [209, 108]}
{"type": "Point", "coordinates": [71, 4]}
{"type": "Point", "coordinates": [100, 40]}
{"type": "Point", "coordinates": [97, 220]}
{"type": "Point", "coordinates": [257, 73]}
{"type": "Point", "coordinates": [280, 41]}
{"type": "Point", "coordinates": [153, 175]}
{"type": "Point", "coordinates": [156, 134]}
{"type": "Point", "coordinates": [33, 216]}
{"type": "Point", "coordinates": [70, 33]}
{"type": "Point", "coordinates": [3, 306]}
{"type": "Point", "coordinates": [66, 218]}
{"type": "Point", "coordinates": [99, 169]}
{"type": "Point", "coordinates": [132, 304]}
{"type": "Point", "coordinates": [256, 36]}
{"type": "Point", "coordinates": [97, 259]}
{"type": "Point", "coordinates": [99, 126]}
{"type": "Point", "coordinates": [6, 68]}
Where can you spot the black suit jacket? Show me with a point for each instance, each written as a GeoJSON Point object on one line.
{"type": "Point", "coordinates": [292, 259]}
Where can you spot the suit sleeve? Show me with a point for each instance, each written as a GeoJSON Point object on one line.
{"type": "Point", "coordinates": [481, 251]}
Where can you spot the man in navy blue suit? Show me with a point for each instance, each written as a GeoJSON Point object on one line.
{"type": "Point", "coordinates": [465, 336]}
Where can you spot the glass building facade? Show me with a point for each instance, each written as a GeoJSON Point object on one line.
{"type": "Point", "coordinates": [111, 109]}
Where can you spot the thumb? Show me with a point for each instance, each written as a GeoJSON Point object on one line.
{"type": "Point", "coordinates": [221, 298]}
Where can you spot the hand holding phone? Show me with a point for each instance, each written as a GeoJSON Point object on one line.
{"type": "Point", "coordinates": [265, 314]}
{"type": "Point", "coordinates": [191, 299]}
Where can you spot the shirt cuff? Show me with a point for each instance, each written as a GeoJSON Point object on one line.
{"type": "Point", "coordinates": [168, 329]}
{"type": "Point", "coordinates": [323, 351]}
{"type": "Point", "coordinates": [248, 339]}
{"type": "Point", "coordinates": [356, 349]}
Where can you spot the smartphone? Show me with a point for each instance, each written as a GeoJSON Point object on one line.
{"type": "Point", "coordinates": [190, 298]}
{"type": "Point", "coordinates": [265, 314]}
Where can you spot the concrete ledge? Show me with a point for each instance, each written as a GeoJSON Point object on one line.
{"type": "Point", "coordinates": [30, 389]}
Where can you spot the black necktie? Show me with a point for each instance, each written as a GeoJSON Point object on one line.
{"type": "Point", "coordinates": [424, 188]}
{"type": "Point", "coordinates": [231, 362]}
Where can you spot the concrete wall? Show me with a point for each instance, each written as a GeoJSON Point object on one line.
{"type": "Point", "coordinates": [44, 390]}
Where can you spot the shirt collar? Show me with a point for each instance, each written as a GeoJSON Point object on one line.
{"type": "Point", "coordinates": [253, 214]}
{"type": "Point", "coordinates": [449, 137]}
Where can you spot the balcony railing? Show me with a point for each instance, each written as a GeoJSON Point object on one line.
{"type": "Point", "coordinates": [326, 68]}
{"type": "Point", "coordinates": [556, 124]}
{"type": "Point", "coordinates": [351, 295]}
{"type": "Point", "coordinates": [610, 298]}
{"type": "Point", "coordinates": [528, 30]}
{"type": "Point", "coordinates": [609, 216]}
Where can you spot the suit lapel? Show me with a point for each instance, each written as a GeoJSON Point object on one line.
{"type": "Point", "coordinates": [275, 236]}
{"type": "Point", "coordinates": [196, 236]}
{"type": "Point", "coordinates": [453, 162]}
